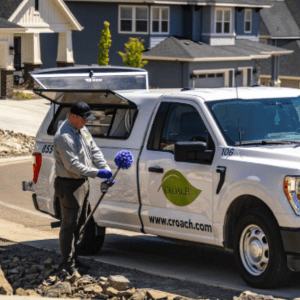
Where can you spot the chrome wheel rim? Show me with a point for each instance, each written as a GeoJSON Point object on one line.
{"type": "Point", "coordinates": [254, 250]}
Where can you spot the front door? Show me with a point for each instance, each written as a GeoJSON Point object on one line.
{"type": "Point", "coordinates": [176, 197]}
{"type": "Point", "coordinates": [17, 59]}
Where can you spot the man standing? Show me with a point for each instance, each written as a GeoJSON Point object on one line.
{"type": "Point", "coordinates": [77, 157]}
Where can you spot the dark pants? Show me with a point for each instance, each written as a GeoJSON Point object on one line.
{"type": "Point", "coordinates": [73, 195]}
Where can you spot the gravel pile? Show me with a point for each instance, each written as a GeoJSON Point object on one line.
{"type": "Point", "coordinates": [30, 277]}
{"type": "Point", "coordinates": [15, 144]}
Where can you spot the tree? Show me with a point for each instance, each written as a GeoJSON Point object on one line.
{"type": "Point", "coordinates": [133, 53]}
{"type": "Point", "coordinates": [105, 43]}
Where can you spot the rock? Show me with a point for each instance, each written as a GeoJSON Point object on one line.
{"type": "Point", "coordinates": [88, 289]}
{"type": "Point", "coordinates": [247, 295]}
{"type": "Point", "coordinates": [16, 260]}
{"type": "Point", "coordinates": [59, 288]}
{"type": "Point", "coordinates": [137, 296]}
{"type": "Point", "coordinates": [20, 292]}
{"type": "Point", "coordinates": [75, 276]}
{"type": "Point", "coordinates": [14, 271]}
{"type": "Point", "coordinates": [5, 287]}
{"type": "Point", "coordinates": [156, 295]}
{"type": "Point", "coordinates": [48, 263]}
{"type": "Point", "coordinates": [111, 291]}
{"type": "Point", "coordinates": [127, 293]}
{"type": "Point", "coordinates": [32, 293]}
{"type": "Point", "coordinates": [97, 289]}
{"type": "Point", "coordinates": [118, 282]}
{"type": "Point", "coordinates": [103, 278]}
{"type": "Point", "coordinates": [33, 269]}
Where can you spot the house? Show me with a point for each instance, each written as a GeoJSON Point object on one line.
{"type": "Point", "coordinates": [26, 30]}
{"type": "Point", "coordinates": [202, 43]}
{"type": "Point", "coordinates": [280, 26]}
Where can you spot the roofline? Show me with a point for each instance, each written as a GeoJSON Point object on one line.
{"type": "Point", "coordinates": [180, 3]}
{"type": "Point", "coordinates": [204, 59]}
{"type": "Point", "coordinates": [12, 30]}
{"type": "Point", "coordinates": [19, 8]}
{"type": "Point", "coordinates": [280, 37]}
{"type": "Point", "coordinates": [71, 17]}
{"type": "Point", "coordinates": [278, 52]}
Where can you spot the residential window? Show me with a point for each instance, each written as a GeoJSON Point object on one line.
{"type": "Point", "coordinates": [133, 19]}
{"type": "Point", "coordinates": [160, 20]}
{"type": "Point", "coordinates": [36, 5]}
{"type": "Point", "coordinates": [223, 20]}
{"type": "Point", "coordinates": [248, 20]}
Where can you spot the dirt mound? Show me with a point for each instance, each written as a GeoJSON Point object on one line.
{"type": "Point", "coordinates": [15, 144]}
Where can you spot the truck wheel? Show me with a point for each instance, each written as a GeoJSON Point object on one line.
{"type": "Point", "coordinates": [90, 243]}
{"type": "Point", "coordinates": [258, 250]}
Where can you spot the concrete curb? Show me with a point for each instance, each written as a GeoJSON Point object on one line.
{"type": "Point", "coordinates": [14, 160]}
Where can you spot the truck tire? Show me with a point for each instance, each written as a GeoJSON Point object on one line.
{"type": "Point", "coordinates": [90, 243]}
{"type": "Point", "coordinates": [259, 252]}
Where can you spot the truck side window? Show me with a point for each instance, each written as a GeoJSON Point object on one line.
{"type": "Point", "coordinates": [111, 122]}
{"type": "Point", "coordinates": [178, 123]}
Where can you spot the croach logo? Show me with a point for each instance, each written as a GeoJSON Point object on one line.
{"type": "Point", "coordinates": [177, 189]}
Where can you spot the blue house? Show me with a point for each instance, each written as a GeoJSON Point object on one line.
{"type": "Point", "coordinates": [202, 43]}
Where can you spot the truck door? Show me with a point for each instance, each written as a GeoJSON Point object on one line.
{"type": "Point", "coordinates": [176, 197]}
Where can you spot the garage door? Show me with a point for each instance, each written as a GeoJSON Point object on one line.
{"type": "Point", "coordinates": [209, 80]}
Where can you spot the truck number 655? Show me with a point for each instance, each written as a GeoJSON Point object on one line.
{"type": "Point", "coordinates": [47, 149]}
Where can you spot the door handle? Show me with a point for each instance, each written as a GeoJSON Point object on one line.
{"type": "Point", "coordinates": [156, 170]}
{"type": "Point", "coordinates": [222, 171]}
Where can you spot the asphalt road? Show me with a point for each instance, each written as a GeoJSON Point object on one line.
{"type": "Point", "coordinates": [189, 264]}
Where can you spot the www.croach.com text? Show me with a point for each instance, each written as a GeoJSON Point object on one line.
{"type": "Point", "coordinates": [179, 223]}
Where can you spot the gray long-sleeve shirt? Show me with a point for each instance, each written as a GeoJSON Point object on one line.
{"type": "Point", "coordinates": [75, 153]}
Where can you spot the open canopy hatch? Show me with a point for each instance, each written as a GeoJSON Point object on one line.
{"type": "Point", "coordinates": [100, 97]}
{"type": "Point", "coordinates": [92, 78]}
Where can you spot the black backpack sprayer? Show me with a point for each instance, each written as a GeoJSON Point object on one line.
{"type": "Point", "coordinates": [123, 160]}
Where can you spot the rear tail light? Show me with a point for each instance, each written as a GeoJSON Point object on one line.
{"type": "Point", "coordinates": [37, 162]}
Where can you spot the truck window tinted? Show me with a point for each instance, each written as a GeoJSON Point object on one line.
{"type": "Point", "coordinates": [259, 119]}
{"type": "Point", "coordinates": [176, 122]}
{"type": "Point", "coordinates": [112, 122]}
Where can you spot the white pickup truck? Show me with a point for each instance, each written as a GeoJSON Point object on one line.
{"type": "Point", "coordinates": [219, 167]}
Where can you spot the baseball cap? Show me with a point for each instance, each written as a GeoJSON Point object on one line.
{"type": "Point", "coordinates": [83, 110]}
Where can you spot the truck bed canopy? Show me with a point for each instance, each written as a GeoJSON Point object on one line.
{"type": "Point", "coordinates": [92, 78]}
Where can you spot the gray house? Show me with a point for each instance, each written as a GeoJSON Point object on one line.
{"type": "Point", "coordinates": [280, 26]}
{"type": "Point", "coordinates": [203, 43]}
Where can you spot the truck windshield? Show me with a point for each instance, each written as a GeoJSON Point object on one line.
{"type": "Point", "coordinates": [260, 121]}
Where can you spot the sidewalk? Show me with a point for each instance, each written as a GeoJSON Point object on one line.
{"type": "Point", "coordinates": [24, 116]}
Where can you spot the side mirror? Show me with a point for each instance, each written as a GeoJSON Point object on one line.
{"type": "Point", "coordinates": [193, 152]}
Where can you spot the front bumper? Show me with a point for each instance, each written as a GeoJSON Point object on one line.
{"type": "Point", "coordinates": [291, 244]}
{"type": "Point", "coordinates": [28, 186]}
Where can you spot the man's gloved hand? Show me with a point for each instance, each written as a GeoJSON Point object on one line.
{"type": "Point", "coordinates": [103, 173]}
{"type": "Point", "coordinates": [111, 183]}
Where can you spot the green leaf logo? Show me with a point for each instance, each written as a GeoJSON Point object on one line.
{"type": "Point", "coordinates": [177, 189]}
